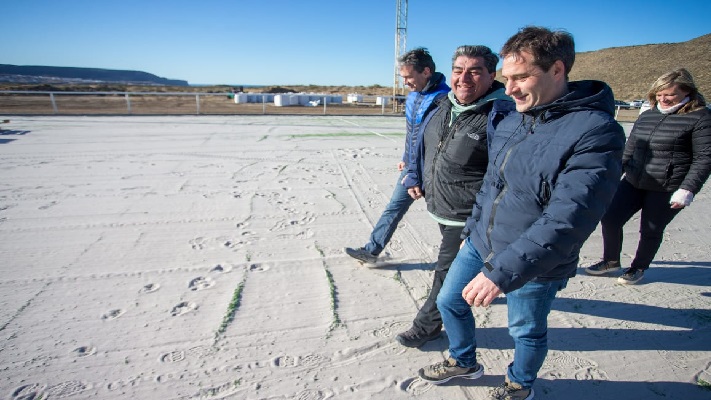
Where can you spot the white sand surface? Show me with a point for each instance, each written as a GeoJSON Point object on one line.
{"type": "Point", "coordinates": [201, 258]}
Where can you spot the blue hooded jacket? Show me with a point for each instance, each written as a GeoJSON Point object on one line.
{"type": "Point", "coordinates": [417, 106]}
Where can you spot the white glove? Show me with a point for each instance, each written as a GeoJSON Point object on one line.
{"type": "Point", "coordinates": [682, 196]}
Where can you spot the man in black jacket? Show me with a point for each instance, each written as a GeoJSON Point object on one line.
{"type": "Point", "coordinates": [449, 165]}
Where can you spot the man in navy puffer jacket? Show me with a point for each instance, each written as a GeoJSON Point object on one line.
{"type": "Point", "coordinates": [554, 166]}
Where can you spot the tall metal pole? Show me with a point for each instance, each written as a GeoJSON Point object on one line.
{"type": "Point", "coordinates": [400, 46]}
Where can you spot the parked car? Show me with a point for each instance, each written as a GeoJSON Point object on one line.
{"type": "Point", "coordinates": [622, 104]}
{"type": "Point", "coordinates": [645, 106]}
{"type": "Point", "coordinates": [636, 103]}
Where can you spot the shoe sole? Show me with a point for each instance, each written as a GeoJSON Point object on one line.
{"type": "Point", "coordinates": [362, 260]}
{"type": "Point", "coordinates": [605, 272]}
{"type": "Point", "coordinates": [474, 375]}
{"type": "Point", "coordinates": [416, 345]}
{"type": "Point", "coordinates": [626, 282]}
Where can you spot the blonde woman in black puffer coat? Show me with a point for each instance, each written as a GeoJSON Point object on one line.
{"type": "Point", "coordinates": [667, 160]}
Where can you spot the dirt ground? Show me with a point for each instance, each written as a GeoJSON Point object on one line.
{"type": "Point", "coordinates": [145, 104]}
{"type": "Point", "coordinates": [203, 104]}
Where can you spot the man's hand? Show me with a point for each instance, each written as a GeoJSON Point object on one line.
{"type": "Point", "coordinates": [401, 165]}
{"type": "Point", "coordinates": [415, 192]}
{"type": "Point", "coordinates": [481, 291]}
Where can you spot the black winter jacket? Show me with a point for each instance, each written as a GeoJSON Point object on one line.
{"type": "Point", "coordinates": [455, 155]}
{"type": "Point", "coordinates": [552, 174]}
{"type": "Point", "coordinates": [666, 152]}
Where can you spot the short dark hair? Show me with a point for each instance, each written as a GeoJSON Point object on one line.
{"type": "Point", "coordinates": [419, 58]}
{"type": "Point", "coordinates": [545, 45]}
{"type": "Point", "coordinates": [490, 59]}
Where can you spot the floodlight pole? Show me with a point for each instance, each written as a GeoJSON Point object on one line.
{"type": "Point", "coordinates": [400, 40]}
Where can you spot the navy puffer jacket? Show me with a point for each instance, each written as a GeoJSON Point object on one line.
{"type": "Point", "coordinates": [552, 173]}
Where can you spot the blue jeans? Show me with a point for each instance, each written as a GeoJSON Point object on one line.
{"type": "Point", "coordinates": [528, 309]}
{"type": "Point", "coordinates": [400, 202]}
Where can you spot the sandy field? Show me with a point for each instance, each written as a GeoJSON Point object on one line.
{"type": "Point", "coordinates": [200, 257]}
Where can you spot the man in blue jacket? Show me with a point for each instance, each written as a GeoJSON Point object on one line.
{"type": "Point", "coordinates": [417, 69]}
{"type": "Point", "coordinates": [554, 165]}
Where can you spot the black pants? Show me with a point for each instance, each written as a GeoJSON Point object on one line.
{"type": "Point", "coordinates": [656, 215]}
{"type": "Point", "coordinates": [428, 319]}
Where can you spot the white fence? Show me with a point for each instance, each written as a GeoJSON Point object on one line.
{"type": "Point", "coordinates": [263, 99]}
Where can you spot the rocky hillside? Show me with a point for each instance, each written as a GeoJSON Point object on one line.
{"type": "Point", "coordinates": [631, 70]}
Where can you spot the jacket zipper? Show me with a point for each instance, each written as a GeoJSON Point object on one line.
{"type": "Point", "coordinates": [503, 191]}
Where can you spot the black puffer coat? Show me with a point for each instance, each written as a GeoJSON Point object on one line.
{"type": "Point", "coordinates": [666, 152]}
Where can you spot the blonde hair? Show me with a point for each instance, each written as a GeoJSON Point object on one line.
{"type": "Point", "coordinates": [683, 79]}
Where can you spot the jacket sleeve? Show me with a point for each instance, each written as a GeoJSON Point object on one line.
{"type": "Point", "coordinates": [581, 194]}
{"type": "Point", "coordinates": [414, 165]}
{"type": "Point", "coordinates": [701, 156]}
{"type": "Point", "coordinates": [416, 157]}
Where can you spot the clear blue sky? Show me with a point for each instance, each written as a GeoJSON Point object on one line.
{"type": "Point", "coordinates": [320, 42]}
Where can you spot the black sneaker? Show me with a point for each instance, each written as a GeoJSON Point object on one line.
{"type": "Point", "coordinates": [443, 371]}
{"type": "Point", "coordinates": [603, 267]}
{"type": "Point", "coordinates": [413, 338]}
{"type": "Point", "coordinates": [631, 276]}
{"type": "Point", "coordinates": [362, 254]}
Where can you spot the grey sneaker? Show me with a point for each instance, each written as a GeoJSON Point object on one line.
{"type": "Point", "coordinates": [630, 276]}
{"type": "Point", "coordinates": [361, 254]}
{"type": "Point", "coordinates": [413, 338]}
{"type": "Point", "coordinates": [510, 391]}
{"type": "Point", "coordinates": [603, 267]}
{"type": "Point", "coordinates": [443, 371]}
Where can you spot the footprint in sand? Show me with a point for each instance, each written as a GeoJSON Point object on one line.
{"type": "Point", "coordinates": [220, 391]}
{"type": "Point", "coordinates": [312, 360]}
{"type": "Point", "coordinates": [173, 356]}
{"type": "Point", "coordinates": [182, 308]}
{"type": "Point", "coordinates": [388, 330]}
{"type": "Point", "coordinates": [149, 288]}
{"type": "Point", "coordinates": [310, 394]}
{"type": "Point", "coordinates": [198, 243]}
{"type": "Point", "coordinates": [201, 283]}
{"type": "Point", "coordinates": [559, 365]}
{"type": "Point", "coordinates": [221, 268]}
{"type": "Point", "coordinates": [259, 267]}
{"type": "Point", "coordinates": [113, 314]}
{"type": "Point", "coordinates": [590, 374]}
{"type": "Point", "coordinates": [29, 392]}
{"type": "Point", "coordinates": [66, 389]}
{"type": "Point", "coordinates": [284, 362]}
{"type": "Point", "coordinates": [84, 351]}
{"type": "Point", "coordinates": [415, 386]}
{"type": "Point", "coordinates": [199, 351]}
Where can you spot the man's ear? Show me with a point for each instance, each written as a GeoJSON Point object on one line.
{"type": "Point", "coordinates": [427, 71]}
{"type": "Point", "coordinates": [559, 70]}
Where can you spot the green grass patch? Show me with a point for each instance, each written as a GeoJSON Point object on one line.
{"type": "Point", "coordinates": [703, 384]}
{"type": "Point", "coordinates": [231, 308]}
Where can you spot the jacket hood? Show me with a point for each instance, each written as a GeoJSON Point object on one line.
{"type": "Point", "coordinates": [582, 95]}
{"type": "Point", "coordinates": [435, 80]}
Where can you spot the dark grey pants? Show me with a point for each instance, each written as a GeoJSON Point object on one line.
{"type": "Point", "coordinates": [428, 319]}
{"type": "Point", "coordinates": [656, 215]}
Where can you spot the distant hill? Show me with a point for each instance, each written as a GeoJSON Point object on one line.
{"type": "Point", "coordinates": [628, 70]}
{"type": "Point", "coordinates": [32, 74]}
{"type": "Point", "coordinates": [631, 70]}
